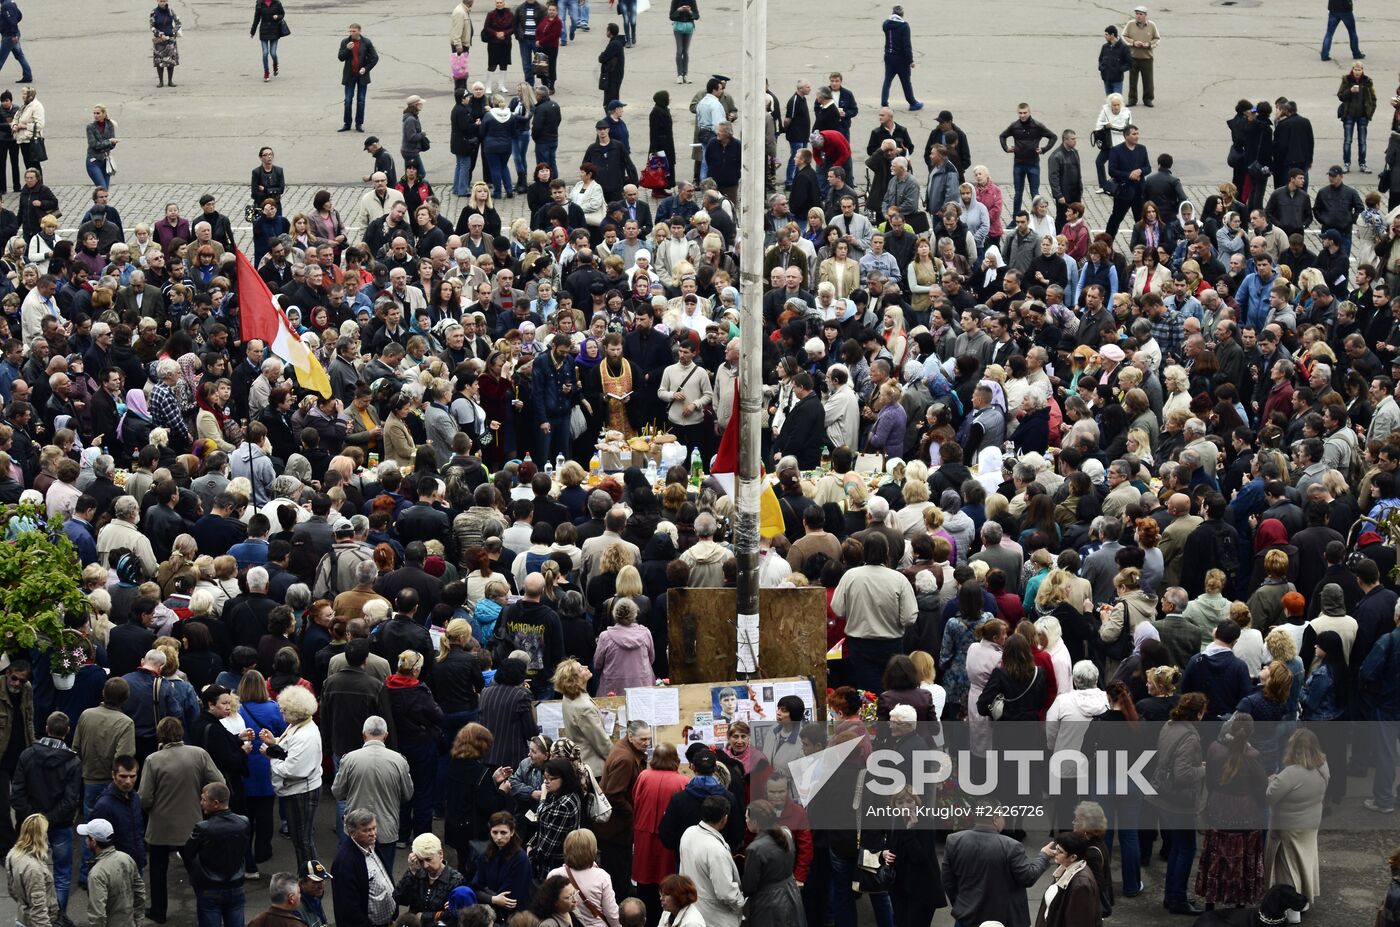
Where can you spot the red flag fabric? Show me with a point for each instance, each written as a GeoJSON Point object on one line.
{"type": "Point", "coordinates": [258, 317]}
{"type": "Point", "coordinates": [727, 457]}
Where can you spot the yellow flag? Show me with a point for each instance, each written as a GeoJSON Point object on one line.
{"type": "Point", "coordinates": [770, 514]}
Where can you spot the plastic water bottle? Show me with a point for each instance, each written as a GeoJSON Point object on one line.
{"type": "Point", "coordinates": [697, 471]}
{"type": "Point", "coordinates": [558, 463]}
{"type": "Point", "coordinates": [651, 471]}
{"type": "Point", "coordinates": [527, 458]}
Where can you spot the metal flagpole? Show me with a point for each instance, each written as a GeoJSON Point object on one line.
{"type": "Point", "coordinates": [751, 210]}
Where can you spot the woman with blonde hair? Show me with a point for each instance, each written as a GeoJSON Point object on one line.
{"type": "Point", "coordinates": [583, 721]}
{"type": "Point", "coordinates": [1295, 799]}
{"type": "Point", "coordinates": [417, 720]}
{"type": "Point", "coordinates": [295, 761]}
{"type": "Point", "coordinates": [29, 869]}
{"type": "Point", "coordinates": [1109, 128]}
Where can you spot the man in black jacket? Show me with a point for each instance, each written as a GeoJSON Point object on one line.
{"type": "Point", "coordinates": [544, 128]}
{"type": "Point", "coordinates": [1114, 60]}
{"type": "Point", "coordinates": [1293, 144]}
{"type": "Point", "coordinates": [424, 521]}
{"type": "Point", "coordinates": [359, 57]}
{"type": "Point", "coordinates": [613, 168]}
{"type": "Point", "coordinates": [411, 576]}
{"type": "Point", "coordinates": [404, 631]}
{"type": "Point", "coordinates": [48, 780]}
{"type": "Point", "coordinates": [797, 125]}
{"type": "Point", "coordinates": [804, 430]}
{"type": "Point", "coordinates": [1026, 135]}
{"type": "Point", "coordinates": [805, 188]}
{"type": "Point", "coordinates": [214, 855]}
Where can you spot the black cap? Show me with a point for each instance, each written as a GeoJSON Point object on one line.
{"type": "Point", "coordinates": [99, 211]}
{"type": "Point", "coordinates": [372, 140]}
{"type": "Point", "coordinates": [720, 77]}
{"type": "Point", "coordinates": [602, 124]}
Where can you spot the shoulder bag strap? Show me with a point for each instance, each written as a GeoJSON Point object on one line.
{"type": "Point", "coordinates": [1034, 676]}
{"type": "Point", "coordinates": [592, 908]}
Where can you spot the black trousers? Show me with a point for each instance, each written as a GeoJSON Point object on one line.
{"type": "Point", "coordinates": [159, 857]}
{"type": "Point", "coordinates": [1121, 208]}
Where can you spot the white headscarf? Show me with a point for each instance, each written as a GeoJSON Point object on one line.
{"type": "Point", "coordinates": [989, 468]}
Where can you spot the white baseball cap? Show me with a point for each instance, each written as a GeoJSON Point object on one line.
{"type": "Point", "coordinates": [98, 829]}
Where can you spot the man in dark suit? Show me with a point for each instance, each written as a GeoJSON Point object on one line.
{"type": "Point", "coordinates": [805, 192]}
{"type": "Point", "coordinates": [1293, 144]}
{"type": "Point", "coordinates": [650, 354]}
{"type": "Point", "coordinates": [139, 299]}
{"type": "Point", "coordinates": [804, 430]}
{"type": "Point", "coordinates": [632, 207]}
{"type": "Point", "coordinates": [276, 271]}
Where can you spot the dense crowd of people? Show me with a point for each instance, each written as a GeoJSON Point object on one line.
{"type": "Point", "coordinates": [1045, 482]}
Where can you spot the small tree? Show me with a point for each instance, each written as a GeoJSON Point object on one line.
{"type": "Point", "coordinates": [40, 584]}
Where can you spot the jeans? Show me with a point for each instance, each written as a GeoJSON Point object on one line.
{"type": "Point", "coordinates": [462, 175]}
{"type": "Point", "coordinates": [569, 13]}
{"type": "Point", "coordinates": [499, 163]}
{"type": "Point", "coordinates": [1122, 812]}
{"type": "Point", "coordinates": [898, 69]}
{"type": "Point", "coordinates": [92, 791]}
{"type": "Point", "coordinates": [1360, 125]}
{"type": "Point", "coordinates": [627, 9]}
{"type": "Point", "coordinates": [1346, 18]}
{"type": "Point", "coordinates": [792, 159]}
{"type": "Point", "coordinates": [359, 106]}
{"type": "Point", "coordinates": [527, 58]}
{"type": "Point", "coordinates": [1383, 785]}
{"type": "Point", "coordinates": [867, 657]}
{"type": "Point", "coordinates": [520, 147]}
{"type": "Point", "coordinates": [1020, 173]}
{"type": "Point", "coordinates": [61, 850]}
{"type": "Point", "coordinates": [555, 441]}
{"type": "Point", "coordinates": [545, 154]}
{"type": "Point", "coordinates": [583, 13]}
{"type": "Point", "coordinates": [1112, 86]}
{"type": "Point", "coordinates": [301, 809]}
{"type": "Point", "coordinates": [269, 50]}
{"type": "Point", "coordinates": [219, 907]}
{"type": "Point", "coordinates": [682, 53]}
{"type": "Point", "coordinates": [1179, 830]}
{"type": "Point", "coordinates": [10, 45]}
{"type": "Point", "coordinates": [843, 900]}
{"type": "Point", "coordinates": [97, 171]}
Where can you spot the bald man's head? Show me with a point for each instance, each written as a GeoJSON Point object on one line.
{"type": "Point", "coordinates": [534, 586]}
{"type": "Point", "coordinates": [1179, 504]}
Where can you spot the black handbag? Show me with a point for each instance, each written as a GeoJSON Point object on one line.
{"type": "Point", "coordinates": [283, 30]}
{"type": "Point", "coordinates": [1236, 156]}
{"type": "Point", "coordinates": [1103, 138]}
{"type": "Point", "coordinates": [424, 144]}
{"type": "Point", "coordinates": [36, 151]}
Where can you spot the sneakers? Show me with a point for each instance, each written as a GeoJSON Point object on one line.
{"type": "Point", "coordinates": [275, 67]}
{"type": "Point", "coordinates": [1365, 169]}
{"type": "Point", "coordinates": [680, 78]}
{"type": "Point", "coordinates": [266, 77]}
{"type": "Point", "coordinates": [1370, 805]}
{"type": "Point", "coordinates": [915, 106]}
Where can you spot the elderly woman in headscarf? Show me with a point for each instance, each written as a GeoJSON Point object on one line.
{"type": "Point", "coordinates": [987, 279]}
{"type": "Point", "coordinates": [989, 468]}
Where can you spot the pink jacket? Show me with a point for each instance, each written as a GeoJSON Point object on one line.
{"type": "Point", "coordinates": [623, 658]}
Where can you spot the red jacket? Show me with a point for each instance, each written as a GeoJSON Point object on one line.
{"type": "Point", "coordinates": [548, 32]}
{"type": "Point", "coordinates": [835, 150]}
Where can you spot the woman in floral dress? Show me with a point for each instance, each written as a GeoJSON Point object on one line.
{"type": "Point", "coordinates": [165, 44]}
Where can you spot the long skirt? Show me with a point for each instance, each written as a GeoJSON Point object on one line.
{"type": "Point", "coordinates": [1291, 856]}
{"type": "Point", "coordinates": [165, 54]}
{"type": "Point", "coordinates": [1231, 868]}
